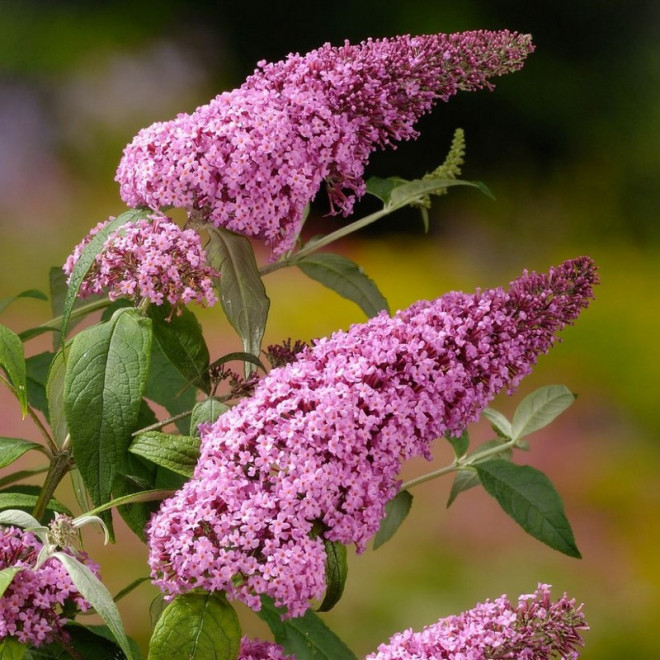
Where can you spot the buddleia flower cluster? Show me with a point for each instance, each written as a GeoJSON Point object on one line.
{"type": "Point", "coordinates": [252, 159]}
{"type": "Point", "coordinates": [32, 606]}
{"type": "Point", "coordinates": [314, 454]}
{"type": "Point", "coordinates": [152, 259]}
{"type": "Point", "coordinates": [534, 628]}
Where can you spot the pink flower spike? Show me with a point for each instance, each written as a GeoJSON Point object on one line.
{"type": "Point", "coordinates": [314, 454]}
{"type": "Point", "coordinates": [253, 158]}
{"type": "Point", "coordinates": [534, 629]}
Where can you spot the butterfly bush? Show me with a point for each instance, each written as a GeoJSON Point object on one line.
{"type": "Point", "coordinates": [253, 158]}
{"type": "Point", "coordinates": [152, 259]}
{"type": "Point", "coordinates": [314, 454]}
{"type": "Point", "coordinates": [534, 628]}
{"type": "Point", "coordinates": [31, 606]}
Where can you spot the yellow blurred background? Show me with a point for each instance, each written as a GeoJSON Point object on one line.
{"type": "Point", "coordinates": [570, 146]}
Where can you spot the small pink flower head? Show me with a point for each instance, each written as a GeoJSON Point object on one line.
{"type": "Point", "coordinates": [536, 628]}
{"type": "Point", "coordinates": [151, 259]}
{"type": "Point", "coordinates": [254, 649]}
{"type": "Point", "coordinates": [32, 605]}
{"type": "Point", "coordinates": [252, 159]}
{"type": "Point", "coordinates": [314, 454]}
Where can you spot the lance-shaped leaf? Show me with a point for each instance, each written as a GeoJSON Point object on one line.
{"type": "Point", "coordinates": [242, 293]}
{"type": "Point", "coordinates": [500, 424]}
{"type": "Point", "coordinates": [178, 453]}
{"type": "Point", "coordinates": [37, 367]}
{"type": "Point", "coordinates": [396, 511]}
{"type": "Point", "coordinates": [20, 500]}
{"type": "Point", "coordinates": [55, 397]}
{"type": "Point", "coordinates": [529, 497]}
{"type": "Point", "coordinates": [336, 571]}
{"type": "Point", "coordinates": [12, 360]}
{"type": "Point", "coordinates": [346, 278]}
{"type": "Point", "coordinates": [167, 387]}
{"type": "Point", "coordinates": [13, 448]}
{"type": "Point", "coordinates": [305, 637]}
{"type": "Point", "coordinates": [19, 518]}
{"type": "Point", "coordinates": [182, 342]}
{"type": "Point", "coordinates": [196, 625]}
{"type": "Point", "coordinates": [540, 408]}
{"type": "Point", "coordinates": [464, 480]}
{"type": "Point", "coordinates": [106, 373]}
{"type": "Point", "coordinates": [87, 257]}
{"type": "Point", "coordinates": [30, 293]}
{"type": "Point", "coordinates": [98, 596]}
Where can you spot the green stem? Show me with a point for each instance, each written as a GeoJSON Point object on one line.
{"type": "Point", "coordinates": [165, 422]}
{"type": "Point", "coordinates": [459, 464]}
{"type": "Point", "coordinates": [56, 323]}
{"type": "Point", "coordinates": [333, 236]}
{"type": "Point", "coordinates": [60, 465]}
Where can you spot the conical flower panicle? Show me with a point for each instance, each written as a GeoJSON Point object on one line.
{"type": "Point", "coordinates": [535, 628]}
{"type": "Point", "coordinates": [252, 159]}
{"type": "Point", "coordinates": [319, 445]}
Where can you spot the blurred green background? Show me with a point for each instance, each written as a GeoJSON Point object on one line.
{"type": "Point", "coordinates": [571, 148]}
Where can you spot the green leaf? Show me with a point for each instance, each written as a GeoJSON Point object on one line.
{"type": "Point", "coordinates": [529, 497]}
{"type": "Point", "coordinates": [382, 188]}
{"type": "Point", "coordinates": [540, 408]}
{"type": "Point", "coordinates": [17, 518]}
{"type": "Point", "coordinates": [206, 412]}
{"type": "Point", "coordinates": [336, 570]}
{"type": "Point", "coordinates": [13, 448]}
{"type": "Point", "coordinates": [306, 637]}
{"type": "Point", "coordinates": [87, 258]}
{"type": "Point", "coordinates": [182, 342]}
{"type": "Point", "coordinates": [178, 453]}
{"type": "Point", "coordinates": [12, 360]}
{"type": "Point", "coordinates": [414, 190]}
{"type": "Point", "coordinates": [106, 373]}
{"type": "Point", "coordinates": [30, 293]}
{"type": "Point", "coordinates": [242, 292]}
{"type": "Point", "coordinates": [499, 423]}
{"type": "Point", "coordinates": [460, 444]}
{"type": "Point", "coordinates": [58, 292]}
{"type": "Point", "coordinates": [396, 511]}
{"type": "Point", "coordinates": [346, 278]}
{"type": "Point", "coordinates": [167, 387]}
{"type": "Point", "coordinates": [37, 367]}
{"type": "Point", "coordinates": [196, 625]}
{"type": "Point", "coordinates": [12, 649]}
{"type": "Point", "coordinates": [7, 575]}
{"type": "Point", "coordinates": [98, 596]}
{"type": "Point", "coordinates": [464, 480]}
{"type": "Point", "coordinates": [55, 397]}
{"type": "Point", "coordinates": [11, 500]}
